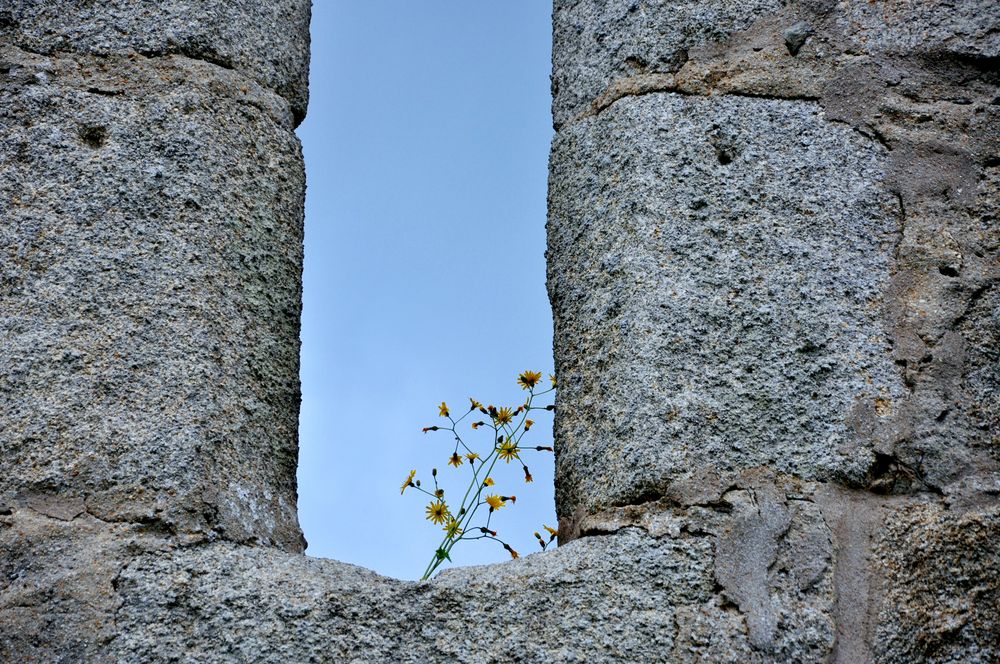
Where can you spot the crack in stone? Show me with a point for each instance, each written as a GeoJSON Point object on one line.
{"type": "Point", "coordinates": [644, 84]}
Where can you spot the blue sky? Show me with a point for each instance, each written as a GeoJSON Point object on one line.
{"type": "Point", "coordinates": [426, 147]}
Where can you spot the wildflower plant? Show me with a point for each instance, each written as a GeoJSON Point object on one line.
{"type": "Point", "coordinates": [471, 518]}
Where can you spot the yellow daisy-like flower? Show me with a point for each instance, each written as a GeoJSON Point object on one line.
{"type": "Point", "coordinates": [471, 456]}
{"type": "Point", "coordinates": [529, 379]}
{"type": "Point", "coordinates": [452, 529]}
{"type": "Point", "coordinates": [455, 460]}
{"type": "Point", "coordinates": [437, 512]}
{"type": "Point", "coordinates": [504, 416]}
{"type": "Point", "coordinates": [528, 424]}
{"type": "Point", "coordinates": [443, 409]}
{"type": "Point", "coordinates": [488, 482]}
{"type": "Point", "coordinates": [408, 481]}
{"type": "Point", "coordinates": [495, 502]}
{"type": "Point", "coordinates": [552, 377]}
{"type": "Point", "coordinates": [475, 404]}
{"type": "Point", "coordinates": [508, 451]}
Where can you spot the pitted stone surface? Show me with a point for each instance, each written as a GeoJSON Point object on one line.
{"type": "Point", "coordinates": [942, 586]}
{"type": "Point", "coordinates": [962, 27]}
{"type": "Point", "coordinates": [85, 590]}
{"type": "Point", "coordinates": [149, 294]}
{"type": "Point", "coordinates": [716, 268]}
{"type": "Point", "coordinates": [603, 599]}
{"type": "Point", "coordinates": [266, 41]}
{"type": "Point", "coordinates": [981, 330]}
{"type": "Point", "coordinates": [625, 596]}
{"type": "Point", "coordinates": [597, 41]}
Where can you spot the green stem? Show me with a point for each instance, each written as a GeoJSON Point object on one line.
{"type": "Point", "coordinates": [449, 542]}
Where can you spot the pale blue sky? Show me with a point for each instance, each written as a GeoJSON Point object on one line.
{"type": "Point", "coordinates": [426, 147]}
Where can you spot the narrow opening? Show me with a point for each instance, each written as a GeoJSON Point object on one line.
{"type": "Point", "coordinates": [424, 272]}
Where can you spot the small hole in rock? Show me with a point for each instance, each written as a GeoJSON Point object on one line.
{"type": "Point", "coordinates": [725, 157]}
{"type": "Point", "coordinates": [636, 62]}
{"type": "Point", "coordinates": [948, 271]}
{"type": "Point", "coordinates": [93, 136]}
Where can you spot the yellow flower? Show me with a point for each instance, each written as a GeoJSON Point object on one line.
{"type": "Point", "coordinates": [471, 456]}
{"type": "Point", "coordinates": [529, 379]}
{"type": "Point", "coordinates": [552, 531]}
{"type": "Point", "coordinates": [504, 416]}
{"type": "Point", "coordinates": [437, 512]}
{"type": "Point", "coordinates": [552, 377]}
{"type": "Point", "coordinates": [475, 404]}
{"type": "Point", "coordinates": [476, 425]}
{"type": "Point", "coordinates": [452, 529]}
{"type": "Point", "coordinates": [408, 482]}
{"type": "Point", "coordinates": [495, 502]}
{"type": "Point", "coordinates": [508, 451]}
{"type": "Point", "coordinates": [513, 553]}
{"type": "Point", "coordinates": [443, 409]}
{"type": "Point", "coordinates": [527, 475]}
{"type": "Point", "coordinates": [455, 460]}
{"type": "Point", "coordinates": [528, 424]}
{"type": "Point", "coordinates": [488, 482]}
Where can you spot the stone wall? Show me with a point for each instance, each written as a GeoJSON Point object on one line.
{"type": "Point", "coordinates": [773, 259]}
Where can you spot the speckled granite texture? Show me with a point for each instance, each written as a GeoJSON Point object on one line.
{"type": "Point", "coordinates": [265, 41]}
{"type": "Point", "coordinates": [774, 250]}
{"type": "Point", "coordinates": [719, 262]}
{"type": "Point", "coordinates": [151, 303]}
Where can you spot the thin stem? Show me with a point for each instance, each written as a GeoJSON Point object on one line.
{"type": "Point", "coordinates": [513, 433]}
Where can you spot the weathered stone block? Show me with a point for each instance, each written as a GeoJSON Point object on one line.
{"type": "Point", "coordinates": [968, 28]}
{"type": "Point", "coordinates": [598, 41]}
{"type": "Point", "coordinates": [716, 270]}
{"type": "Point", "coordinates": [660, 584]}
{"type": "Point", "coordinates": [265, 41]}
{"type": "Point", "coordinates": [941, 586]}
{"type": "Point", "coordinates": [149, 294]}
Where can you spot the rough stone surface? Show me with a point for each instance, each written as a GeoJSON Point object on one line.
{"type": "Point", "coordinates": [773, 261]}
{"type": "Point", "coordinates": [715, 270]}
{"type": "Point", "coordinates": [149, 294]}
{"type": "Point", "coordinates": [941, 586]}
{"type": "Point", "coordinates": [963, 27]}
{"type": "Point", "coordinates": [782, 251]}
{"type": "Point", "coordinates": [596, 41]}
{"type": "Point", "coordinates": [770, 570]}
{"type": "Point", "coordinates": [635, 593]}
{"type": "Point", "coordinates": [267, 41]}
